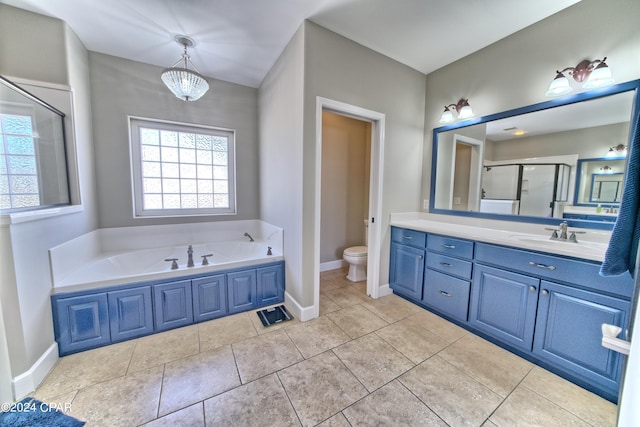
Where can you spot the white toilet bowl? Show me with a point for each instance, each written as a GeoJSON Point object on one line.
{"type": "Point", "coordinates": [356, 256]}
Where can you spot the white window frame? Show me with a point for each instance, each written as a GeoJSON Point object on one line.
{"type": "Point", "coordinates": [136, 167]}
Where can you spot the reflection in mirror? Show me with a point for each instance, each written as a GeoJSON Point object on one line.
{"type": "Point", "coordinates": [523, 164]}
{"type": "Point", "coordinates": [599, 181]}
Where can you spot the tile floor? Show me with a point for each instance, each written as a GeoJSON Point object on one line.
{"type": "Point", "coordinates": [362, 362]}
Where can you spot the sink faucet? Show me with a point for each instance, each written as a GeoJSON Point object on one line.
{"type": "Point", "coordinates": [190, 255]}
{"type": "Point", "coordinates": [249, 236]}
{"type": "Point", "coordinates": [563, 230]}
{"type": "Point", "coordinates": [565, 234]}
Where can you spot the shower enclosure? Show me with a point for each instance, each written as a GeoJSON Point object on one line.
{"type": "Point", "coordinates": [525, 189]}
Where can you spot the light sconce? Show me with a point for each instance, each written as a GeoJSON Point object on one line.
{"type": "Point", "coordinates": [594, 74]}
{"type": "Point", "coordinates": [606, 169]}
{"type": "Point", "coordinates": [462, 108]}
{"type": "Point", "coordinates": [186, 84]}
{"type": "Point", "coordinates": [619, 150]}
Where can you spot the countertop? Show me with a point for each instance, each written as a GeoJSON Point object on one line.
{"type": "Point", "coordinates": [591, 246]}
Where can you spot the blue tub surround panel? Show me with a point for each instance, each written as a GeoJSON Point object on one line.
{"type": "Point", "coordinates": [97, 317]}
{"type": "Point", "coordinates": [545, 307]}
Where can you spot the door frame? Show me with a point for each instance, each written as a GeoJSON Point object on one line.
{"type": "Point", "coordinates": [374, 232]}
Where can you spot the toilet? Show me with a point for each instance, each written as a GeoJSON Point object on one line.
{"type": "Point", "coordinates": [356, 257]}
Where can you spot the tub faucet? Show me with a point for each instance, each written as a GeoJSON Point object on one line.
{"type": "Point", "coordinates": [249, 236]}
{"type": "Point", "coordinates": [190, 255]}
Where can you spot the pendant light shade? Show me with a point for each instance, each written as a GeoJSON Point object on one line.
{"type": "Point", "coordinates": [186, 84]}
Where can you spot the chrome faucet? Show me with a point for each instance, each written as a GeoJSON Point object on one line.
{"type": "Point", "coordinates": [565, 234]}
{"type": "Point", "coordinates": [190, 255]}
{"type": "Point", "coordinates": [249, 236]}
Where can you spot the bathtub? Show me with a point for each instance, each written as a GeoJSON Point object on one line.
{"type": "Point", "coordinates": [137, 254]}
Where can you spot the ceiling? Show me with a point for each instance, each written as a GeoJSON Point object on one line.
{"type": "Point", "coordinates": [240, 40]}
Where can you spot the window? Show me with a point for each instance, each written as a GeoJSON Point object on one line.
{"type": "Point", "coordinates": [33, 167]}
{"type": "Point", "coordinates": [181, 169]}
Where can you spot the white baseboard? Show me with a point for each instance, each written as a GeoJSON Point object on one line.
{"type": "Point", "coordinates": [27, 382]}
{"type": "Point", "coordinates": [384, 290]}
{"type": "Point", "coordinates": [302, 313]}
{"type": "Point", "coordinates": [332, 265]}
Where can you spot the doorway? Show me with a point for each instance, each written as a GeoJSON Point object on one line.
{"type": "Point", "coordinates": [377, 122]}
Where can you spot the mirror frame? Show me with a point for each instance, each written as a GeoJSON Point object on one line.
{"type": "Point", "coordinates": [633, 85]}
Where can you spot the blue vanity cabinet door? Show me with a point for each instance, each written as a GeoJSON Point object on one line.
{"type": "Point", "coordinates": [406, 270]}
{"type": "Point", "coordinates": [81, 322]}
{"type": "Point", "coordinates": [503, 305]}
{"type": "Point", "coordinates": [130, 313]}
{"type": "Point", "coordinates": [270, 285]}
{"type": "Point", "coordinates": [209, 297]}
{"type": "Point", "coordinates": [569, 334]}
{"type": "Point", "coordinates": [173, 306]}
{"type": "Point", "coordinates": [242, 291]}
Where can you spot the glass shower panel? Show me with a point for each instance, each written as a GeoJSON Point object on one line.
{"type": "Point", "coordinates": [538, 185]}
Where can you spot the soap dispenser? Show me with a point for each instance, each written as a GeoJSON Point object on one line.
{"type": "Point", "coordinates": [599, 208]}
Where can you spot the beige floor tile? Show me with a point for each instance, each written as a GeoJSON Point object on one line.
{"type": "Point", "coordinates": [195, 378]}
{"type": "Point", "coordinates": [124, 401]}
{"type": "Point", "coordinates": [265, 354]}
{"type": "Point", "coordinates": [493, 366]}
{"type": "Point", "coordinates": [320, 387]}
{"type": "Point", "coordinates": [191, 416]}
{"type": "Point", "coordinates": [391, 308]}
{"type": "Point", "coordinates": [161, 348]}
{"type": "Point", "coordinates": [316, 336]}
{"type": "Point", "coordinates": [224, 331]}
{"type": "Point", "coordinates": [261, 329]}
{"type": "Point", "coordinates": [391, 405]}
{"type": "Point", "coordinates": [415, 342]}
{"type": "Point", "coordinates": [62, 403]}
{"type": "Point", "coordinates": [83, 369]}
{"type": "Point", "coordinates": [338, 420]}
{"type": "Point", "coordinates": [439, 326]}
{"type": "Point", "coordinates": [356, 321]}
{"type": "Point", "coordinates": [346, 296]}
{"type": "Point", "coordinates": [584, 404]}
{"type": "Point", "coordinates": [452, 394]}
{"type": "Point", "coordinates": [373, 361]}
{"type": "Point", "coordinates": [327, 305]}
{"type": "Point", "coordinates": [260, 403]}
{"type": "Point", "coordinates": [525, 408]}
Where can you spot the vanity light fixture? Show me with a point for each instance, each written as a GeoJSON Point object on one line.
{"type": "Point", "coordinates": [606, 169]}
{"type": "Point", "coordinates": [594, 74]}
{"type": "Point", "coordinates": [619, 150]}
{"type": "Point", "coordinates": [186, 84]}
{"type": "Point", "coordinates": [462, 108]}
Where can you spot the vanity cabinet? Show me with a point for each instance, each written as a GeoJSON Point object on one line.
{"type": "Point", "coordinates": [448, 274]}
{"type": "Point", "coordinates": [504, 304]}
{"type": "Point", "coordinates": [96, 317]}
{"type": "Point", "coordinates": [408, 250]}
{"type": "Point", "coordinates": [545, 307]}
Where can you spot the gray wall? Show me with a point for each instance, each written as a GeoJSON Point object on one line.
{"type": "Point", "coordinates": [122, 88]}
{"type": "Point", "coordinates": [342, 70]}
{"type": "Point", "coordinates": [517, 70]}
{"type": "Point", "coordinates": [35, 47]}
{"type": "Point", "coordinates": [281, 96]}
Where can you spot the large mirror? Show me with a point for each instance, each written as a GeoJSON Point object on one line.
{"type": "Point", "coordinates": [539, 163]}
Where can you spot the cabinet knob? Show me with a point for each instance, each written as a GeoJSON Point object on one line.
{"type": "Point", "coordinates": [532, 288]}
{"type": "Point", "coordinates": [545, 292]}
{"type": "Point", "coordinates": [419, 256]}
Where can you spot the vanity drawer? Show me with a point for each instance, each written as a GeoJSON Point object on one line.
{"type": "Point", "coordinates": [450, 246]}
{"type": "Point", "coordinates": [449, 265]}
{"type": "Point", "coordinates": [409, 237]}
{"type": "Point", "coordinates": [581, 273]}
{"type": "Point", "coordinates": [446, 294]}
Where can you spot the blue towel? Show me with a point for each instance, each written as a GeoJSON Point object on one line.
{"type": "Point", "coordinates": [623, 246]}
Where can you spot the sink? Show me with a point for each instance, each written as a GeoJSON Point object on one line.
{"type": "Point", "coordinates": [544, 240]}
